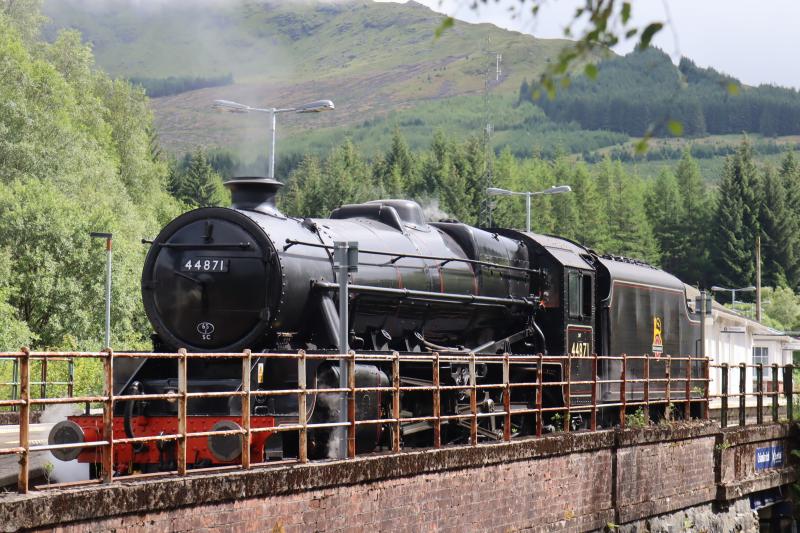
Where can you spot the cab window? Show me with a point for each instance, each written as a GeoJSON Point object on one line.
{"type": "Point", "coordinates": [575, 289]}
{"type": "Point", "coordinates": [579, 294]}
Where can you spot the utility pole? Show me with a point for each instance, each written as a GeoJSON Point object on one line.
{"type": "Point", "coordinates": [758, 278]}
{"type": "Point", "coordinates": [705, 308]}
{"type": "Point", "coordinates": [108, 239]}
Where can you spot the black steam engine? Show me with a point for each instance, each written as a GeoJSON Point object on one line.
{"type": "Point", "coordinates": [249, 277]}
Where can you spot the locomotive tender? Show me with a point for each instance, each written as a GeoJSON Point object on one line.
{"type": "Point", "coordinates": [249, 277]}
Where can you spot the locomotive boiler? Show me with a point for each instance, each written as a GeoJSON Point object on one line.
{"type": "Point", "coordinates": [249, 277]}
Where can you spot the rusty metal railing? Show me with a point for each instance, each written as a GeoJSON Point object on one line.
{"type": "Point", "coordinates": [758, 392]}
{"type": "Point", "coordinates": [64, 379]}
{"type": "Point", "coordinates": [629, 383]}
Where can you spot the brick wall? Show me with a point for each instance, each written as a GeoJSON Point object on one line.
{"type": "Point", "coordinates": [499, 498]}
{"type": "Point", "coordinates": [685, 477]}
{"type": "Point", "coordinates": [736, 448]}
{"type": "Point", "coordinates": [573, 482]}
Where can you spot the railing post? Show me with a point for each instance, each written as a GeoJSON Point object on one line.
{"type": "Point", "coordinates": [774, 392]}
{"type": "Point", "coordinates": [24, 419]}
{"type": "Point", "coordinates": [246, 366]}
{"type": "Point", "coordinates": [301, 407]}
{"type": "Point", "coordinates": [647, 387]}
{"type": "Point", "coordinates": [724, 395]}
{"type": "Point", "coordinates": [15, 382]}
{"type": "Point", "coordinates": [742, 394]}
{"type": "Point", "coordinates": [687, 409]}
{"type": "Point", "coordinates": [622, 392]}
{"type": "Point", "coordinates": [788, 389]}
{"type": "Point", "coordinates": [108, 416]}
{"type": "Point", "coordinates": [473, 402]}
{"type": "Point", "coordinates": [506, 399]}
{"type": "Point", "coordinates": [351, 404]}
{"type": "Point", "coordinates": [668, 388]}
{"type": "Point", "coordinates": [70, 377]}
{"type": "Point", "coordinates": [760, 394]}
{"type": "Point", "coordinates": [396, 401]}
{"type": "Point", "coordinates": [539, 395]}
{"type": "Point", "coordinates": [437, 403]}
{"type": "Point", "coordinates": [593, 416]}
{"type": "Point", "coordinates": [568, 395]}
{"type": "Point", "coordinates": [182, 412]}
{"type": "Point", "coordinates": [43, 379]}
{"type": "Point", "coordinates": [707, 388]}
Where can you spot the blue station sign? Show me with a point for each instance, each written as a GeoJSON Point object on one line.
{"type": "Point", "coordinates": [769, 457]}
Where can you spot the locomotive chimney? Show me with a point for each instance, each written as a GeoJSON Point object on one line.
{"type": "Point", "coordinates": [254, 193]}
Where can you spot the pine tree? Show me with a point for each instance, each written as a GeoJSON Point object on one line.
{"type": "Point", "coordinates": [524, 92]}
{"type": "Point", "coordinates": [790, 176]}
{"type": "Point", "coordinates": [622, 197]}
{"type": "Point", "coordinates": [565, 207]}
{"type": "Point", "coordinates": [733, 235]}
{"type": "Point", "coordinates": [592, 228]}
{"type": "Point", "coordinates": [453, 190]}
{"type": "Point", "coordinates": [777, 238]}
{"type": "Point", "coordinates": [471, 164]}
{"type": "Point", "coordinates": [347, 177]}
{"type": "Point", "coordinates": [306, 195]}
{"type": "Point", "coordinates": [690, 247]}
{"type": "Point", "coordinates": [630, 233]}
{"type": "Point", "coordinates": [397, 171]}
{"type": "Point", "coordinates": [666, 213]}
{"type": "Point", "coordinates": [197, 184]}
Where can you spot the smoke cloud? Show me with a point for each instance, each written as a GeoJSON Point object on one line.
{"type": "Point", "coordinates": [432, 212]}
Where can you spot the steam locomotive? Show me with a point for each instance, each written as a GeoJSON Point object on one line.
{"type": "Point", "coordinates": [249, 277]}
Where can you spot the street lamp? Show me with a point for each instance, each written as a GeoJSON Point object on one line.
{"type": "Point", "coordinates": [108, 238]}
{"type": "Point", "coordinates": [311, 107]}
{"type": "Point", "coordinates": [555, 189]}
{"type": "Point", "coordinates": [717, 288]}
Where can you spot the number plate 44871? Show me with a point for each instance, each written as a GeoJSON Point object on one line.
{"type": "Point", "coordinates": [204, 264]}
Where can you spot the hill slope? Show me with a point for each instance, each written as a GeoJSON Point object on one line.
{"type": "Point", "coordinates": [644, 88]}
{"type": "Point", "coordinates": [370, 58]}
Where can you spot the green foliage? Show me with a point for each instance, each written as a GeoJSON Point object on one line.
{"type": "Point", "coordinates": [25, 15]}
{"type": "Point", "coordinates": [790, 176]}
{"type": "Point", "coordinates": [195, 182]}
{"type": "Point", "coordinates": [629, 231]}
{"type": "Point", "coordinates": [736, 220]}
{"type": "Point", "coordinates": [75, 157]}
{"type": "Point", "coordinates": [14, 332]}
{"type": "Point", "coordinates": [644, 94]}
{"type": "Point", "coordinates": [678, 210]}
{"type": "Point", "coordinates": [637, 420]}
{"type": "Point", "coordinates": [781, 308]}
{"type": "Point", "coordinates": [777, 232]}
{"type": "Point", "coordinates": [157, 87]}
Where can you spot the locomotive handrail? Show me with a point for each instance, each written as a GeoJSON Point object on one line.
{"type": "Point", "coordinates": [398, 256]}
{"type": "Point", "coordinates": [207, 246]}
{"type": "Point", "coordinates": [410, 293]}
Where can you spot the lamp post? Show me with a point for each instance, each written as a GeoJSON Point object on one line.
{"type": "Point", "coordinates": [108, 238]}
{"type": "Point", "coordinates": [311, 107]}
{"type": "Point", "coordinates": [555, 189]}
{"type": "Point", "coordinates": [717, 288]}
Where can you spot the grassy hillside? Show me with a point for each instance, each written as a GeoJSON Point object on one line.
{"type": "Point", "coordinates": [369, 58]}
{"type": "Point", "coordinates": [379, 63]}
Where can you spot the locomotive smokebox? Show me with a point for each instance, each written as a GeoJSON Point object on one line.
{"type": "Point", "coordinates": [253, 193]}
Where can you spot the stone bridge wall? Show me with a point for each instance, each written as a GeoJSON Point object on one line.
{"type": "Point", "coordinates": [576, 482]}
